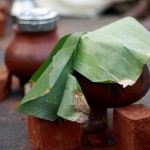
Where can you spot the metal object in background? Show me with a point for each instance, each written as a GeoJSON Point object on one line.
{"type": "Point", "coordinates": [38, 19]}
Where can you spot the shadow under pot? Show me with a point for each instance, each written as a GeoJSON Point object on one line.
{"type": "Point", "coordinates": [30, 47]}
{"type": "Point", "coordinates": [54, 135]}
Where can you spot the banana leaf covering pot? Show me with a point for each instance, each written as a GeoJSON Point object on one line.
{"type": "Point", "coordinates": [35, 37]}
{"type": "Point", "coordinates": [113, 94]}
{"type": "Point", "coordinates": [88, 72]}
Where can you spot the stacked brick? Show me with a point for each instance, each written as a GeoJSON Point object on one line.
{"type": "Point", "coordinates": [132, 127]}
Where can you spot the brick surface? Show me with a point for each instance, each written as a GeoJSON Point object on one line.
{"type": "Point", "coordinates": [132, 127]}
{"type": "Point", "coordinates": [54, 135]}
{"type": "Point", "coordinates": [5, 82]}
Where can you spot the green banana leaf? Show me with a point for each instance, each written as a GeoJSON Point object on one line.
{"type": "Point", "coordinates": [114, 53]}
{"type": "Point", "coordinates": [45, 99]}
{"type": "Point", "coordinates": [49, 60]}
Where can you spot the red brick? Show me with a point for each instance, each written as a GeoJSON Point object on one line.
{"type": "Point", "coordinates": [132, 127]}
{"type": "Point", "coordinates": [54, 135]}
{"type": "Point", "coordinates": [5, 82]}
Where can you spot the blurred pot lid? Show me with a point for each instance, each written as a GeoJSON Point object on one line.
{"type": "Point", "coordinates": [39, 14]}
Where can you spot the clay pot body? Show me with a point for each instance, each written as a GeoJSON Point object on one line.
{"type": "Point", "coordinates": [112, 94]}
{"type": "Point", "coordinates": [27, 51]}
{"type": "Point", "coordinates": [56, 135]}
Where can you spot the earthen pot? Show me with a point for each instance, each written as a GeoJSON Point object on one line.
{"type": "Point", "coordinates": [56, 135]}
{"type": "Point", "coordinates": [28, 50]}
{"type": "Point", "coordinates": [112, 94]}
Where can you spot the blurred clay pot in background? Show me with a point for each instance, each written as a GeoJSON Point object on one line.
{"type": "Point", "coordinates": [28, 51]}
{"type": "Point", "coordinates": [30, 47]}
{"type": "Point", "coordinates": [4, 10]}
{"type": "Point", "coordinates": [54, 135]}
{"type": "Point", "coordinates": [110, 95]}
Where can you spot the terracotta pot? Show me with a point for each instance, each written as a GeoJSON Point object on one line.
{"type": "Point", "coordinates": [56, 135]}
{"type": "Point", "coordinates": [28, 50]}
{"type": "Point", "coordinates": [112, 94]}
